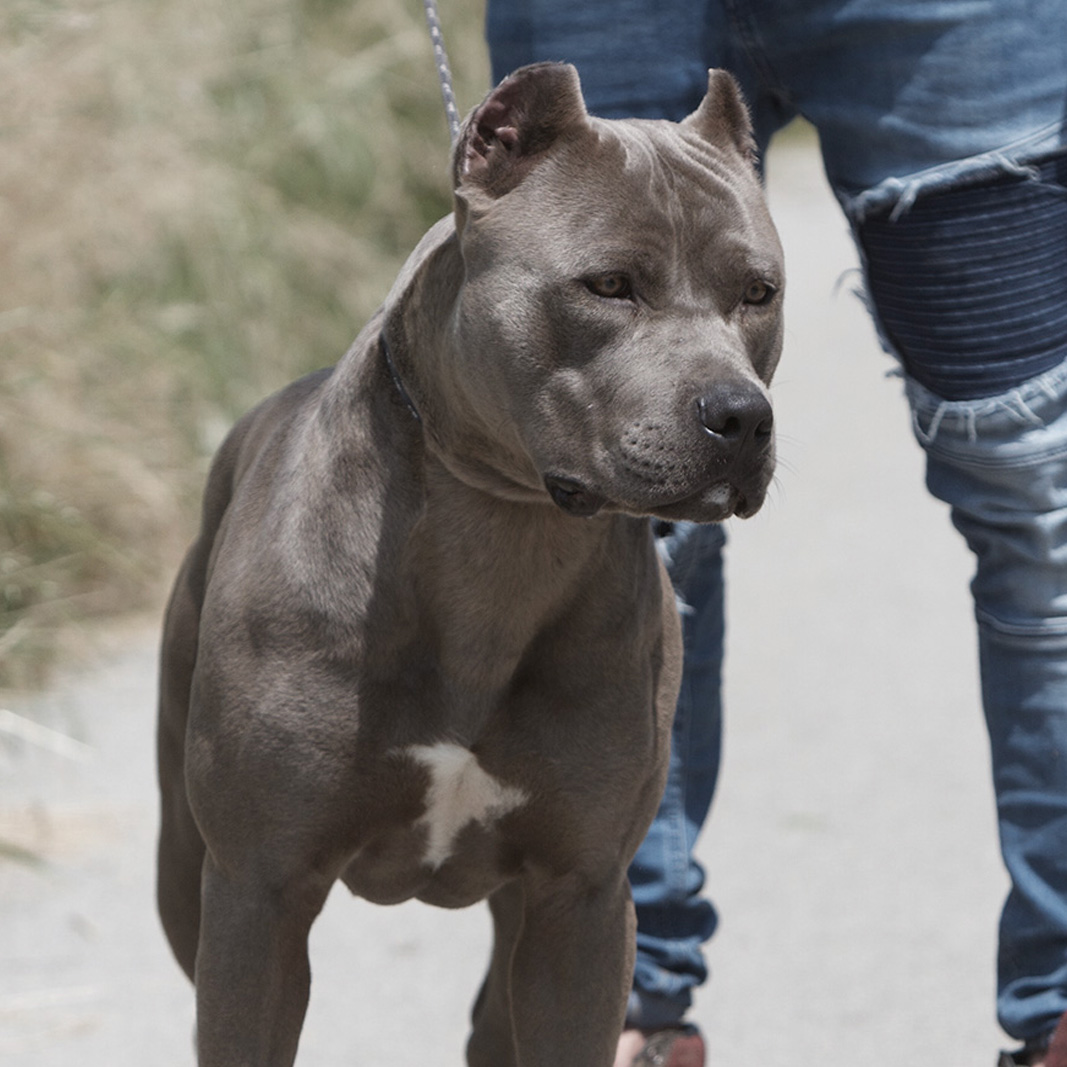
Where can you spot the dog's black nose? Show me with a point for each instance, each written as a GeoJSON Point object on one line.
{"type": "Point", "coordinates": [738, 414]}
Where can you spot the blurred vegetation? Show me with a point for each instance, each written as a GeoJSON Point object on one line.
{"type": "Point", "coordinates": [198, 202]}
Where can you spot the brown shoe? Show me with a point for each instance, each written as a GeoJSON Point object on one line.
{"type": "Point", "coordinates": [1057, 1049]}
{"type": "Point", "coordinates": [1019, 1058]}
{"type": "Point", "coordinates": [1050, 1052]}
{"type": "Point", "coordinates": [677, 1046]}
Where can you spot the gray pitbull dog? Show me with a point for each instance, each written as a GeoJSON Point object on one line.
{"type": "Point", "coordinates": [424, 643]}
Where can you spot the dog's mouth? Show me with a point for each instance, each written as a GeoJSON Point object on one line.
{"type": "Point", "coordinates": [713, 503]}
{"type": "Point", "coordinates": [573, 497]}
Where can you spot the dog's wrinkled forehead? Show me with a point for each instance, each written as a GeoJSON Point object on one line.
{"type": "Point", "coordinates": [643, 189]}
{"type": "Point", "coordinates": [662, 164]}
{"type": "Point", "coordinates": [627, 192]}
{"type": "Point", "coordinates": [533, 143]}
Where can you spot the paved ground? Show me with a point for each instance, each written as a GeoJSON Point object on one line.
{"type": "Point", "coordinates": [851, 849]}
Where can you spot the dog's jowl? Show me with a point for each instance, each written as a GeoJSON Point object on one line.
{"type": "Point", "coordinates": [423, 643]}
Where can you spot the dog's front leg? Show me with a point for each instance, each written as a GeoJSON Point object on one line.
{"type": "Point", "coordinates": [571, 971]}
{"type": "Point", "coordinates": [492, 1041]}
{"type": "Point", "coordinates": [252, 971]}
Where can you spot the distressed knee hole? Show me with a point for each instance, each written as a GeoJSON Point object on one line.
{"type": "Point", "coordinates": [969, 285]}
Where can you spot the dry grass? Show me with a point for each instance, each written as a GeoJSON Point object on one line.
{"type": "Point", "coordinates": [198, 201]}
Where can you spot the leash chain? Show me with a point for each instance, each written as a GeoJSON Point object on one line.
{"type": "Point", "coordinates": [444, 73]}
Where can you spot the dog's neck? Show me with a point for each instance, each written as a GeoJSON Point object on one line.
{"type": "Point", "coordinates": [492, 578]}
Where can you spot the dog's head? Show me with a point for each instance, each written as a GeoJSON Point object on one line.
{"type": "Point", "coordinates": [619, 318]}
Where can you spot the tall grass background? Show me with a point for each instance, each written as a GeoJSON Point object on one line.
{"type": "Point", "coordinates": [199, 201]}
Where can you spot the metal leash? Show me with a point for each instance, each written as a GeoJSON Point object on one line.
{"type": "Point", "coordinates": [444, 73]}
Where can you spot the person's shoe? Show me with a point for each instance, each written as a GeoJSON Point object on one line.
{"type": "Point", "coordinates": [1054, 1054]}
{"type": "Point", "coordinates": [1019, 1058]}
{"type": "Point", "coordinates": [1057, 1049]}
{"type": "Point", "coordinates": [675, 1046]}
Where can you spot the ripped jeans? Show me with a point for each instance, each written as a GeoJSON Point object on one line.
{"type": "Point", "coordinates": [1001, 463]}
{"type": "Point", "coordinates": [942, 125]}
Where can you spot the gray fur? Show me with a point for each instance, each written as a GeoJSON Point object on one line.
{"type": "Point", "coordinates": [455, 625]}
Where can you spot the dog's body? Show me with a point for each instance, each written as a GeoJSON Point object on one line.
{"type": "Point", "coordinates": [422, 643]}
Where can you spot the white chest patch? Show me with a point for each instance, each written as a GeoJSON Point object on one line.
{"type": "Point", "coordinates": [460, 792]}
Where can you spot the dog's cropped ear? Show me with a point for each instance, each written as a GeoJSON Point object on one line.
{"type": "Point", "coordinates": [523, 116]}
{"type": "Point", "coordinates": [722, 117]}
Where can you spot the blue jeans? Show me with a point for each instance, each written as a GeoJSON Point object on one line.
{"type": "Point", "coordinates": [942, 125]}
{"type": "Point", "coordinates": [673, 918]}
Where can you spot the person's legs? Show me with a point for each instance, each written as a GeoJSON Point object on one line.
{"type": "Point", "coordinates": [673, 919]}
{"type": "Point", "coordinates": [971, 289]}
{"type": "Point", "coordinates": [634, 60]}
{"type": "Point", "coordinates": [940, 123]}
{"type": "Point", "coordinates": [1002, 466]}
{"type": "Point", "coordinates": [908, 92]}
{"type": "Point", "coordinates": [967, 271]}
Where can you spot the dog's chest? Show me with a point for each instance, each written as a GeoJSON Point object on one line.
{"type": "Point", "coordinates": [450, 853]}
{"type": "Point", "coordinates": [460, 792]}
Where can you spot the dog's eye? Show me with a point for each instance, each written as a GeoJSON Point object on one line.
{"type": "Point", "coordinates": [610, 286]}
{"type": "Point", "coordinates": [759, 292]}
